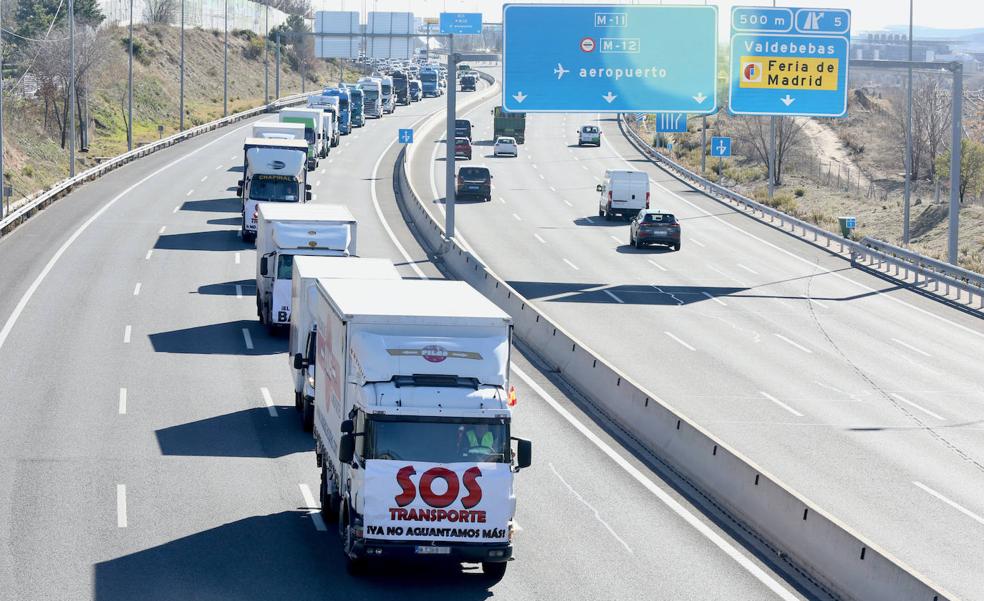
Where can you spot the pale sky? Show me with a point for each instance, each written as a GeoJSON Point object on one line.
{"type": "Point", "coordinates": [867, 14]}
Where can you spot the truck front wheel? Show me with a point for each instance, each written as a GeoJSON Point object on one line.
{"type": "Point", "coordinates": [494, 572]}
{"type": "Point", "coordinates": [354, 565]}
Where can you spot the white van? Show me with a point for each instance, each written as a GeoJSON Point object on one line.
{"type": "Point", "coordinates": [624, 192]}
{"type": "Point", "coordinates": [589, 134]}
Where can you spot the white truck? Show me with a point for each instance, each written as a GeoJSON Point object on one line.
{"type": "Point", "coordinates": [328, 105]}
{"type": "Point", "coordinates": [412, 417]}
{"type": "Point", "coordinates": [273, 171]}
{"type": "Point", "coordinates": [284, 231]}
{"type": "Point", "coordinates": [313, 121]}
{"type": "Point", "coordinates": [303, 299]}
{"type": "Point", "coordinates": [388, 94]}
{"type": "Point", "coordinates": [275, 130]}
{"type": "Point", "coordinates": [624, 192]}
{"type": "Point", "coordinates": [372, 96]}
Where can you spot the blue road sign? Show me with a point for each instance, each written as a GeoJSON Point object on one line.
{"type": "Point", "coordinates": [671, 122]}
{"type": "Point", "coordinates": [608, 58]}
{"type": "Point", "coordinates": [720, 147]}
{"type": "Point", "coordinates": [405, 136]}
{"type": "Point", "coordinates": [789, 61]}
{"type": "Point", "coordinates": [463, 23]}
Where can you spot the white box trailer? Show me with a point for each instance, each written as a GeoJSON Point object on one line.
{"type": "Point", "coordinates": [303, 299]}
{"type": "Point", "coordinates": [411, 387]}
{"type": "Point", "coordinates": [273, 172]}
{"type": "Point", "coordinates": [329, 105]}
{"type": "Point", "coordinates": [274, 130]}
{"type": "Point", "coordinates": [284, 231]}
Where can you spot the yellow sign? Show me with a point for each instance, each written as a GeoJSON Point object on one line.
{"type": "Point", "coordinates": [431, 21]}
{"type": "Point", "coordinates": [788, 73]}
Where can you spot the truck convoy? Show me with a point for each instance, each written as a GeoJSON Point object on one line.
{"type": "Point", "coordinates": [273, 171]}
{"type": "Point", "coordinates": [357, 103]}
{"type": "Point", "coordinates": [512, 125]}
{"type": "Point", "coordinates": [313, 131]}
{"type": "Point", "coordinates": [401, 87]}
{"type": "Point", "coordinates": [429, 80]}
{"type": "Point", "coordinates": [329, 106]}
{"type": "Point", "coordinates": [284, 231]}
{"type": "Point", "coordinates": [344, 108]}
{"type": "Point", "coordinates": [412, 421]}
{"type": "Point", "coordinates": [389, 100]}
{"type": "Point", "coordinates": [275, 130]}
{"type": "Point", "coordinates": [372, 100]}
{"type": "Point", "coordinates": [303, 299]}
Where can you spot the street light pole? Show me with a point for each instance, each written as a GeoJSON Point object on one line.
{"type": "Point", "coordinates": [225, 64]}
{"type": "Point", "coordinates": [449, 179]}
{"type": "Point", "coordinates": [266, 61]}
{"type": "Point", "coordinates": [908, 143]}
{"type": "Point", "coordinates": [71, 88]}
{"type": "Point", "coordinates": [129, 87]}
{"type": "Point", "coordinates": [181, 94]}
{"type": "Point", "coordinates": [3, 182]}
{"type": "Point", "coordinates": [277, 88]}
{"type": "Point", "coordinates": [955, 152]}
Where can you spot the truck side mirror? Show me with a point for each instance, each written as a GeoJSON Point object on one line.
{"type": "Point", "coordinates": [239, 190]}
{"type": "Point", "coordinates": [346, 448]}
{"type": "Point", "coordinates": [598, 188]}
{"type": "Point", "coordinates": [348, 426]}
{"type": "Point", "coordinates": [240, 183]}
{"type": "Point", "coordinates": [307, 196]}
{"type": "Point", "coordinates": [263, 266]}
{"type": "Point", "coordinates": [299, 361]}
{"type": "Point", "coordinates": [307, 186]}
{"type": "Point", "coordinates": [524, 453]}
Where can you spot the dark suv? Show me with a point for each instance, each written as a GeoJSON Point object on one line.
{"type": "Point", "coordinates": [654, 227]}
{"type": "Point", "coordinates": [474, 182]}
{"type": "Point", "coordinates": [469, 83]}
{"type": "Point", "coordinates": [463, 129]}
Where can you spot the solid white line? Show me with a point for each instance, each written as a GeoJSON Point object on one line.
{"type": "Point", "coordinates": [571, 264]}
{"type": "Point", "coordinates": [656, 265]}
{"type": "Point", "coordinates": [517, 217]}
{"type": "Point", "coordinates": [136, 289]}
{"type": "Point", "coordinates": [238, 258]}
{"type": "Point", "coordinates": [697, 242]}
{"type": "Point", "coordinates": [615, 239]}
{"type": "Point", "coordinates": [268, 400]}
{"type": "Point", "coordinates": [26, 297]}
{"type": "Point", "coordinates": [314, 510]}
{"type": "Point", "coordinates": [122, 406]}
{"type": "Point", "coordinates": [815, 302]}
{"type": "Point", "coordinates": [147, 257]}
{"type": "Point", "coordinates": [205, 178]}
{"type": "Point", "coordinates": [788, 341]}
{"type": "Point", "coordinates": [248, 339]}
{"type": "Point", "coordinates": [911, 348]}
{"type": "Point", "coordinates": [781, 404]}
{"type": "Point", "coordinates": [612, 294]}
{"type": "Point", "coordinates": [748, 269]}
{"type": "Point", "coordinates": [239, 291]}
{"type": "Point", "coordinates": [919, 407]}
{"type": "Point", "coordinates": [539, 239]}
{"type": "Point", "coordinates": [682, 343]}
{"type": "Point", "coordinates": [190, 192]}
{"type": "Point", "coordinates": [161, 231]}
{"type": "Point", "coordinates": [715, 299]}
{"type": "Point", "coordinates": [567, 202]}
{"type": "Point", "coordinates": [121, 506]}
{"type": "Point", "coordinates": [126, 334]}
{"type": "Point", "coordinates": [953, 504]}
{"type": "Point", "coordinates": [597, 514]}
{"type": "Point", "coordinates": [662, 496]}
{"type": "Point", "coordinates": [176, 209]}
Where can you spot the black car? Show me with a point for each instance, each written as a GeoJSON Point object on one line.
{"type": "Point", "coordinates": [463, 129]}
{"type": "Point", "coordinates": [654, 227]}
{"type": "Point", "coordinates": [469, 83]}
{"type": "Point", "coordinates": [474, 182]}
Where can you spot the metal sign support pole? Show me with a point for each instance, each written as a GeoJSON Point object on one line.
{"type": "Point", "coordinates": [908, 143]}
{"type": "Point", "coordinates": [277, 83]}
{"type": "Point", "coordinates": [772, 156]}
{"type": "Point", "coordinates": [71, 88]}
{"type": "Point", "coordinates": [449, 179]}
{"type": "Point", "coordinates": [181, 93]}
{"type": "Point", "coordinates": [703, 143]}
{"type": "Point", "coordinates": [955, 152]}
{"type": "Point", "coordinates": [129, 87]}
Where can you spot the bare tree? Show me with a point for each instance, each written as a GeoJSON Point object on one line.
{"type": "Point", "coordinates": [753, 132]}
{"type": "Point", "coordinates": [160, 11]}
{"type": "Point", "coordinates": [930, 122]}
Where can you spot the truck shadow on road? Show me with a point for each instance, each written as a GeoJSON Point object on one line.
{"type": "Point", "coordinates": [247, 433]}
{"type": "Point", "coordinates": [628, 294]}
{"type": "Point", "coordinates": [214, 240]}
{"type": "Point", "coordinates": [248, 288]}
{"type": "Point", "coordinates": [214, 205]}
{"type": "Point", "coordinates": [219, 339]}
{"type": "Point", "coordinates": [268, 558]}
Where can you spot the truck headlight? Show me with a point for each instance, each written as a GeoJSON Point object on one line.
{"type": "Point", "coordinates": [310, 381]}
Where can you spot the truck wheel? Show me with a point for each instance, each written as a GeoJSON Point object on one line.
{"type": "Point", "coordinates": [307, 415]}
{"type": "Point", "coordinates": [601, 212]}
{"type": "Point", "coordinates": [353, 565]}
{"type": "Point", "coordinates": [608, 215]}
{"type": "Point", "coordinates": [494, 572]}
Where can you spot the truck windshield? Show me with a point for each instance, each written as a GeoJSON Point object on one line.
{"type": "Point", "coordinates": [285, 267]}
{"type": "Point", "coordinates": [343, 102]}
{"type": "Point", "coordinates": [371, 96]}
{"type": "Point", "coordinates": [387, 89]}
{"type": "Point", "coordinates": [274, 188]}
{"type": "Point", "coordinates": [428, 76]}
{"type": "Point", "coordinates": [437, 441]}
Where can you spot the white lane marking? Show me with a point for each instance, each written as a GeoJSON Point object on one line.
{"type": "Point", "coordinates": [205, 178]}
{"type": "Point", "coordinates": [176, 209]}
{"type": "Point", "coordinates": [122, 405]}
{"type": "Point", "coordinates": [331, 160]}
{"type": "Point", "coordinates": [238, 258]}
{"type": "Point", "coordinates": [136, 289]}
{"type": "Point", "coordinates": [322, 172]}
{"type": "Point", "coordinates": [617, 241]}
{"type": "Point", "coordinates": [596, 513]}
{"type": "Point", "coordinates": [552, 189]}
{"type": "Point", "coordinates": [541, 176]}
{"type": "Point", "coordinates": [234, 157]}
{"type": "Point", "coordinates": [534, 165]}
{"type": "Point", "coordinates": [126, 334]}
{"type": "Point", "coordinates": [190, 192]}
{"type": "Point", "coordinates": [585, 168]}
{"type": "Point", "coordinates": [806, 261]}
{"type": "Point", "coordinates": [218, 167]}
{"type": "Point", "coordinates": [597, 179]}
{"type": "Point", "coordinates": [780, 403]}
{"type": "Point", "coordinates": [681, 342]}
{"type": "Point", "coordinates": [952, 504]}
{"type": "Point", "coordinates": [911, 348]}
{"type": "Point", "coordinates": [792, 342]}
{"type": "Point", "coordinates": [572, 265]}
{"type": "Point", "coordinates": [146, 257]}
{"type": "Point", "coordinates": [314, 510]}
{"type": "Point", "coordinates": [539, 239]}
{"type": "Point", "coordinates": [575, 158]}
{"type": "Point", "coordinates": [502, 200]}
{"type": "Point", "coordinates": [317, 184]}
{"type": "Point", "coordinates": [746, 268]}
{"type": "Point", "coordinates": [919, 407]}
{"type": "Point", "coordinates": [161, 231]}
{"type": "Point", "coordinates": [612, 294]}
{"type": "Point", "coordinates": [715, 299]}
{"type": "Point", "coordinates": [247, 339]}
{"type": "Point", "coordinates": [815, 302]}
{"type": "Point", "coordinates": [121, 506]}
{"type": "Point", "coordinates": [656, 265]}
{"type": "Point", "coordinates": [697, 242]}
{"type": "Point", "coordinates": [239, 291]}
{"type": "Point", "coordinates": [567, 202]}
{"type": "Point", "coordinates": [26, 297]}
{"type": "Point", "coordinates": [662, 496]}
{"type": "Point", "coordinates": [517, 217]}
{"type": "Point", "coordinates": [268, 401]}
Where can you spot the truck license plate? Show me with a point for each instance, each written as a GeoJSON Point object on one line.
{"type": "Point", "coordinates": [433, 550]}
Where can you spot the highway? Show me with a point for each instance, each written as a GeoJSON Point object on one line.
{"type": "Point", "coordinates": [149, 448]}
{"type": "Point", "coordinates": [865, 397]}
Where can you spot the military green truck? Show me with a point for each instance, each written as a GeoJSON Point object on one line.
{"type": "Point", "coordinates": [509, 124]}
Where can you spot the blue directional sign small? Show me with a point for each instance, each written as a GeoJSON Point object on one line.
{"type": "Point", "coordinates": [671, 122]}
{"type": "Point", "coordinates": [720, 146]}
{"type": "Point", "coordinates": [789, 61]}
{"type": "Point", "coordinates": [609, 58]}
{"type": "Point", "coordinates": [461, 23]}
{"type": "Point", "coordinates": [405, 136]}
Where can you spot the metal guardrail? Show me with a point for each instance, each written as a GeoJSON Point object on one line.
{"type": "Point", "coordinates": [45, 198]}
{"type": "Point", "coordinates": [889, 260]}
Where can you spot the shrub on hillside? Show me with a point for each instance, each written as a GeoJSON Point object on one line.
{"type": "Point", "coordinates": [254, 48]}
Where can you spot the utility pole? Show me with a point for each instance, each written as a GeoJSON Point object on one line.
{"type": "Point", "coordinates": [955, 152]}
{"type": "Point", "coordinates": [3, 182]}
{"type": "Point", "coordinates": [181, 94]}
{"type": "Point", "coordinates": [225, 65]}
{"type": "Point", "coordinates": [277, 89]}
{"type": "Point", "coordinates": [908, 143]}
{"type": "Point", "coordinates": [300, 56]}
{"type": "Point", "coordinates": [772, 150]}
{"type": "Point", "coordinates": [71, 88]}
{"type": "Point", "coordinates": [129, 87]}
{"type": "Point", "coordinates": [449, 178]}
{"type": "Point", "coordinates": [266, 62]}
